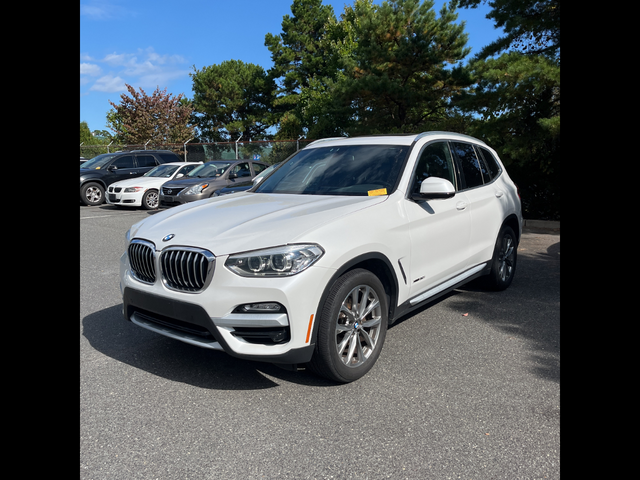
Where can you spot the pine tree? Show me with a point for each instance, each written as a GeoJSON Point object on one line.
{"type": "Point", "coordinates": [405, 65]}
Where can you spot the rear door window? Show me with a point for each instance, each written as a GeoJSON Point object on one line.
{"type": "Point", "coordinates": [146, 161]}
{"type": "Point", "coordinates": [469, 164]}
{"type": "Point", "coordinates": [258, 167]}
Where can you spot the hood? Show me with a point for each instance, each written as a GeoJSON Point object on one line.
{"type": "Point", "coordinates": [190, 181]}
{"type": "Point", "coordinates": [247, 221]}
{"type": "Point", "coordinates": [91, 171]}
{"type": "Point", "coordinates": [149, 182]}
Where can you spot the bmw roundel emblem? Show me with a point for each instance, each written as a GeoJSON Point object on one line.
{"type": "Point", "coordinates": [168, 237]}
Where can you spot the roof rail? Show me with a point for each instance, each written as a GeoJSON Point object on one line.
{"type": "Point", "coordinates": [462, 136]}
{"type": "Point", "coordinates": [151, 150]}
{"type": "Point", "coordinates": [325, 140]}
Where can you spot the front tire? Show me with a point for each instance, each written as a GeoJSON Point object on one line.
{"type": "Point", "coordinates": [352, 327]}
{"type": "Point", "coordinates": [150, 200]}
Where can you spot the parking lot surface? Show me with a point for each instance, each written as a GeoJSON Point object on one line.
{"type": "Point", "coordinates": [468, 387]}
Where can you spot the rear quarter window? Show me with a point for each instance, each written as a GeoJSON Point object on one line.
{"type": "Point", "coordinates": [493, 169]}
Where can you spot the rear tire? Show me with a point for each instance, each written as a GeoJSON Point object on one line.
{"type": "Point", "coordinates": [352, 327]}
{"type": "Point", "coordinates": [503, 264]}
{"type": "Point", "coordinates": [92, 194]}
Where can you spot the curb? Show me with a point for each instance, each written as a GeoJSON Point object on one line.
{"type": "Point", "coordinates": [543, 224]}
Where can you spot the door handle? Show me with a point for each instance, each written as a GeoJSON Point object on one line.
{"type": "Point", "coordinates": [499, 193]}
{"type": "Point", "coordinates": [461, 205]}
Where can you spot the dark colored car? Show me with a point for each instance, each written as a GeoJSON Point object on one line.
{"type": "Point", "coordinates": [241, 187]}
{"type": "Point", "coordinates": [101, 171]}
{"type": "Point", "coordinates": [204, 181]}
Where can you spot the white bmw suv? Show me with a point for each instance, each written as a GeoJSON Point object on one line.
{"type": "Point", "coordinates": [310, 266]}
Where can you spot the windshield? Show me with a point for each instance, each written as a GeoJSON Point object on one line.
{"type": "Point", "coordinates": [96, 163]}
{"type": "Point", "coordinates": [210, 169]}
{"type": "Point", "coordinates": [345, 170]}
{"type": "Point", "coordinates": [164, 171]}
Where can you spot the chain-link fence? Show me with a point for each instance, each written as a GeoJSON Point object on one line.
{"type": "Point", "coordinates": [269, 152]}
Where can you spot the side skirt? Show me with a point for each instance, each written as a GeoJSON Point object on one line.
{"type": "Point", "coordinates": [442, 289]}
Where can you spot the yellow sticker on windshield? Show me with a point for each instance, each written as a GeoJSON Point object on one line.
{"type": "Point", "coordinates": [380, 191]}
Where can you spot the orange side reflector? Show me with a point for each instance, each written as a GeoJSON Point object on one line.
{"type": "Point", "coordinates": [309, 329]}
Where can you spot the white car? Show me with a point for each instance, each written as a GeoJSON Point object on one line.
{"type": "Point", "coordinates": [143, 191]}
{"type": "Point", "coordinates": [311, 266]}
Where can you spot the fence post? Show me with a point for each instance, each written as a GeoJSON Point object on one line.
{"type": "Point", "coordinates": [185, 148]}
{"type": "Point", "coordinates": [241, 133]}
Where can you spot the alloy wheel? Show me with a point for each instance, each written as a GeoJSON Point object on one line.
{"type": "Point", "coordinates": [358, 326]}
{"type": "Point", "coordinates": [506, 258]}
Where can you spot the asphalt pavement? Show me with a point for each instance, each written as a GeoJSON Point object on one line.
{"type": "Point", "coordinates": [468, 387]}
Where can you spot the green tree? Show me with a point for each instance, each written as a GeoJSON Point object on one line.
{"type": "Point", "coordinates": [159, 118]}
{"type": "Point", "coordinates": [405, 65]}
{"type": "Point", "coordinates": [306, 63]}
{"type": "Point", "coordinates": [85, 134]}
{"type": "Point", "coordinates": [299, 53]}
{"type": "Point", "coordinates": [231, 98]}
{"type": "Point", "coordinates": [530, 26]}
{"type": "Point", "coordinates": [517, 98]}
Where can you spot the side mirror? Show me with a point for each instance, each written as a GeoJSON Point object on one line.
{"type": "Point", "coordinates": [180, 175]}
{"type": "Point", "coordinates": [232, 176]}
{"type": "Point", "coordinates": [112, 168]}
{"type": "Point", "coordinates": [435, 188]}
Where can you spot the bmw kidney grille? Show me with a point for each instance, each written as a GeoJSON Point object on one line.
{"type": "Point", "coordinates": [184, 269]}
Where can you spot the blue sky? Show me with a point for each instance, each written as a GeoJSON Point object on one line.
{"type": "Point", "coordinates": [156, 43]}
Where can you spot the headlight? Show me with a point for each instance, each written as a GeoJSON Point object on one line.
{"type": "Point", "coordinates": [133, 189]}
{"type": "Point", "coordinates": [196, 189]}
{"type": "Point", "coordinates": [275, 262]}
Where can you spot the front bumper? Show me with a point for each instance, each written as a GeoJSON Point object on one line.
{"type": "Point", "coordinates": [125, 199]}
{"type": "Point", "coordinates": [180, 199]}
{"type": "Point", "coordinates": [210, 320]}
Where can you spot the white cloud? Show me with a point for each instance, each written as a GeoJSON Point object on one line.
{"type": "Point", "coordinates": [103, 10]}
{"type": "Point", "coordinates": [109, 83]}
{"type": "Point", "coordinates": [144, 68]}
{"type": "Point", "coordinates": [90, 69]}
{"type": "Point", "coordinates": [161, 79]}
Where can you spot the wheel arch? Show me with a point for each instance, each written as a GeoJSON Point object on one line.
{"type": "Point", "coordinates": [94, 180]}
{"type": "Point", "coordinates": [378, 264]}
{"type": "Point", "coordinates": [513, 222]}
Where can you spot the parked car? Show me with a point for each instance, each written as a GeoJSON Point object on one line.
{"type": "Point", "coordinates": [202, 182]}
{"type": "Point", "coordinates": [311, 266]}
{"type": "Point", "coordinates": [144, 191]}
{"type": "Point", "coordinates": [101, 171]}
{"type": "Point", "coordinates": [241, 187]}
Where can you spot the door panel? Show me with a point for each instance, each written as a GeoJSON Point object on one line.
{"type": "Point", "coordinates": [439, 228]}
{"type": "Point", "coordinates": [439, 231]}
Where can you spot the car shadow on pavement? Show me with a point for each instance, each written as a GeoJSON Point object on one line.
{"type": "Point", "coordinates": [529, 310]}
{"type": "Point", "coordinates": [110, 334]}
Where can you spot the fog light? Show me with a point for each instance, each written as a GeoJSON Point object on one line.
{"type": "Point", "coordinates": [278, 337]}
{"type": "Point", "coordinates": [267, 307]}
